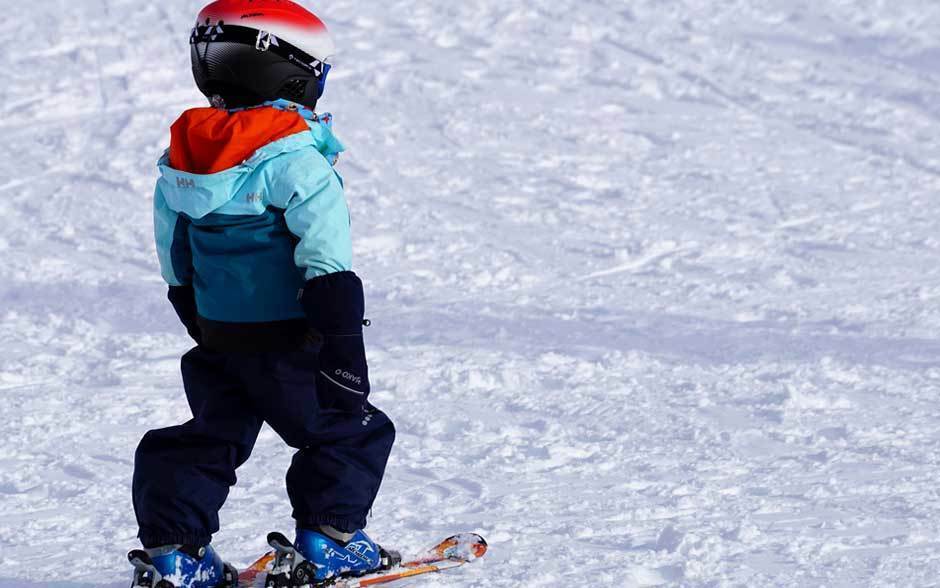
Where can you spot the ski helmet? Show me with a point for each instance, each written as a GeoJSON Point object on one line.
{"type": "Point", "coordinates": [245, 52]}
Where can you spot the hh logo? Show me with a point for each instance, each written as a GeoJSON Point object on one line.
{"type": "Point", "coordinates": [254, 197]}
{"type": "Point", "coordinates": [185, 183]}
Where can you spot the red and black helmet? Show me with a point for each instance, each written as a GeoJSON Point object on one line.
{"type": "Point", "coordinates": [246, 52]}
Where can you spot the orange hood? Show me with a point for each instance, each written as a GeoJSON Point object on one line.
{"type": "Point", "coordinates": [210, 140]}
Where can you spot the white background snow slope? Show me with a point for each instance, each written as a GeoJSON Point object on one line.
{"type": "Point", "coordinates": [654, 285]}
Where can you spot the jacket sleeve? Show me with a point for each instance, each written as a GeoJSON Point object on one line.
{"type": "Point", "coordinates": [332, 297]}
{"type": "Point", "coordinates": [317, 214]}
{"type": "Point", "coordinates": [171, 231]}
{"type": "Point", "coordinates": [176, 262]}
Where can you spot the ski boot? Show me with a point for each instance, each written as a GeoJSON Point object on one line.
{"type": "Point", "coordinates": [317, 559]}
{"type": "Point", "coordinates": [181, 567]}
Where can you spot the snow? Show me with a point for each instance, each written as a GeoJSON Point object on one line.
{"type": "Point", "coordinates": [653, 285]}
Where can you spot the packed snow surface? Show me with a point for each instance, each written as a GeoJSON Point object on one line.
{"type": "Point", "coordinates": [654, 285]}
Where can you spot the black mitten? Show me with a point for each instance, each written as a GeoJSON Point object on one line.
{"type": "Point", "coordinates": [335, 307]}
{"type": "Point", "coordinates": [183, 299]}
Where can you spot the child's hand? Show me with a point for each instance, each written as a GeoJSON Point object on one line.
{"type": "Point", "coordinates": [334, 305]}
{"type": "Point", "coordinates": [183, 299]}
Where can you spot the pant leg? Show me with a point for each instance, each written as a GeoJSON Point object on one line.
{"type": "Point", "coordinates": [343, 441]}
{"type": "Point", "coordinates": [182, 474]}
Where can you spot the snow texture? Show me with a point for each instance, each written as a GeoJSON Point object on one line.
{"type": "Point", "coordinates": [654, 285]}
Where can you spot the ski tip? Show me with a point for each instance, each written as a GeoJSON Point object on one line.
{"type": "Point", "coordinates": [463, 546]}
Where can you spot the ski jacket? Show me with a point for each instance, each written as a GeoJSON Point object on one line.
{"type": "Point", "coordinates": [247, 209]}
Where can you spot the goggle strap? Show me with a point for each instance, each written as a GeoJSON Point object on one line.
{"type": "Point", "coordinates": [261, 41]}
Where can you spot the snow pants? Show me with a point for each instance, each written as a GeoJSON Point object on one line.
{"type": "Point", "coordinates": [182, 474]}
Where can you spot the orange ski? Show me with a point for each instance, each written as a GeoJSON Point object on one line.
{"type": "Point", "coordinates": [449, 554]}
{"type": "Point", "coordinates": [248, 576]}
{"type": "Point", "coordinates": [398, 574]}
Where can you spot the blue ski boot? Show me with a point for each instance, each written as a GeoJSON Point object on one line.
{"type": "Point", "coordinates": [181, 566]}
{"type": "Point", "coordinates": [318, 559]}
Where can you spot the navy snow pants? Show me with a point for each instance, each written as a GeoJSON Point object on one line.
{"type": "Point", "coordinates": [182, 474]}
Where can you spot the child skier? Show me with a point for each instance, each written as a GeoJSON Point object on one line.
{"type": "Point", "coordinates": [253, 238]}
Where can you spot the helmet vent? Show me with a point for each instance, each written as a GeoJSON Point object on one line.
{"type": "Point", "coordinates": [294, 90]}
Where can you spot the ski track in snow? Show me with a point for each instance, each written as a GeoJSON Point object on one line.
{"type": "Point", "coordinates": [654, 285]}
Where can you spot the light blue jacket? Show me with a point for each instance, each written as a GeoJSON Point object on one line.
{"type": "Point", "coordinates": [247, 238]}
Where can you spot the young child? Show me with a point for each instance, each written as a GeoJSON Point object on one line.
{"type": "Point", "coordinates": [253, 238]}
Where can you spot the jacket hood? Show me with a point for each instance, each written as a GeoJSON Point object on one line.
{"type": "Point", "coordinates": [213, 152]}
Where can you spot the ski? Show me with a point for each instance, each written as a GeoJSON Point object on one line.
{"type": "Point", "coordinates": [449, 554]}
{"type": "Point", "coordinates": [249, 576]}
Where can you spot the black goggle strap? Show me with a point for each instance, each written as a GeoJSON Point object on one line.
{"type": "Point", "coordinates": [262, 41]}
